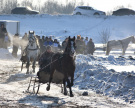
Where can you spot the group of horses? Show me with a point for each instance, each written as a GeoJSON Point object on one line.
{"type": "Point", "coordinates": [63, 63]}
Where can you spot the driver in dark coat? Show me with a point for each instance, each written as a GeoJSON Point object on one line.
{"type": "Point", "coordinates": [3, 30]}
{"type": "Point", "coordinates": [45, 59]}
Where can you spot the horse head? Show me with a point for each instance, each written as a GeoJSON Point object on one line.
{"type": "Point", "coordinates": [31, 38]}
{"type": "Point", "coordinates": [70, 49]}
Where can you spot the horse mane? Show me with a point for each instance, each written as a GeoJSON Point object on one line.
{"type": "Point", "coordinates": [37, 41]}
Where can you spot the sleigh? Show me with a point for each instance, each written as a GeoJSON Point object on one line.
{"type": "Point", "coordinates": [42, 77]}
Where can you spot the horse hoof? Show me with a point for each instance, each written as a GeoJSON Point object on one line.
{"type": "Point", "coordinates": [72, 84]}
{"type": "Point", "coordinates": [48, 88]}
{"type": "Point", "coordinates": [67, 86]}
{"type": "Point", "coordinates": [65, 93]}
{"type": "Point", "coordinates": [71, 95]}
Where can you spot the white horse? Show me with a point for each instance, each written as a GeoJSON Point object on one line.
{"type": "Point", "coordinates": [119, 44]}
{"type": "Point", "coordinates": [32, 51]}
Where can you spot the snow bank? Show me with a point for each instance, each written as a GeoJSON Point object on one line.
{"type": "Point", "coordinates": [90, 74]}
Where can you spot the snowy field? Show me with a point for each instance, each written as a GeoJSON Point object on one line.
{"type": "Point", "coordinates": [100, 80]}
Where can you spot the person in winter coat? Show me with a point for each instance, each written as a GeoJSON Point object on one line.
{"type": "Point", "coordinates": [45, 59]}
{"type": "Point", "coordinates": [56, 45]}
{"type": "Point", "coordinates": [16, 42]}
{"type": "Point", "coordinates": [24, 43]}
{"type": "Point", "coordinates": [7, 41]}
{"type": "Point", "coordinates": [82, 46]}
{"type": "Point", "coordinates": [48, 42]}
{"type": "Point", "coordinates": [79, 45]}
{"type": "Point", "coordinates": [86, 42]}
{"type": "Point", "coordinates": [90, 47]}
{"type": "Point", "coordinates": [3, 30]}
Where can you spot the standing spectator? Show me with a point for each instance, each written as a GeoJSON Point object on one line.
{"type": "Point", "coordinates": [25, 37]}
{"type": "Point", "coordinates": [46, 38]}
{"type": "Point", "coordinates": [48, 42]}
{"type": "Point", "coordinates": [82, 46]}
{"type": "Point", "coordinates": [3, 30]}
{"type": "Point", "coordinates": [86, 42]}
{"type": "Point", "coordinates": [56, 45]}
{"type": "Point", "coordinates": [64, 44]}
{"type": "Point", "coordinates": [7, 41]}
{"type": "Point", "coordinates": [24, 42]}
{"type": "Point", "coordinates": [43, 38]}
{"type": "Point", "coordinates": [16, 42]}
{"type": "Point", "coordinates": [90, 47]}
{"type": "Point", "coordinates": [41, 42]}
{"type": "Point", "coordinates": [79, 45]}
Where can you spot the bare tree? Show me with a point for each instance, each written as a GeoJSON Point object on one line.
{"type": "Point", "coordinates": [1, 5]}
{"type": "Point", "coordinates": [105, 35]}
{"type": "Point", "coordinates": [50, 6]}
{"type": "Point", "coordinates": [8, 5]}
{"type": "Point", "coordinates": [27, 3]}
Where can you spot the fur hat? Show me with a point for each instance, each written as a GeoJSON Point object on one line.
{"type": "Point", "coordinates": [78, 36]}
{"type": "Point", "coordinates": [48, 47]}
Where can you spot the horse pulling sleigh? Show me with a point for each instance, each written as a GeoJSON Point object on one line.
{"type": "Point", "coordinates": [62, 67]}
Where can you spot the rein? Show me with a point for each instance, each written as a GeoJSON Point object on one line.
{"type": "Point", "coordinates": [33, 49]}
{"type": "Point", "coordinates": [50, 64]}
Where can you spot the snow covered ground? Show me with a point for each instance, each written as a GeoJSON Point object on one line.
{"type": "Point", "coordinates": [107, 81]}
{"type": "Point", "coordinates": [62, 26]}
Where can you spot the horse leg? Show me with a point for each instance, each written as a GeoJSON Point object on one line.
{"type": "Point", "coordinates": [65, 89]}
{"type": "Point", "coordinates": [33, 66]}
{"type": "Point", "coordinates": [61, 88]}
{"type": "Point", "coordinates": [27, 66]}
{"type": "Point", "coordinates": [72, 80]}
{"type": "Point", "coordinates": [123, 50]}
{"type": "Point", "coordinates": [50, 79]}
{"type": "Point", "coordinates": [108, 51]}
{"type": "Point", "coordinates": [70, 89]}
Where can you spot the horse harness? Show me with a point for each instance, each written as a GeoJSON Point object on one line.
{"type": "Point", "coordinates": [32, 41]}
{"type": "Point", "coordinates": [51, 63]}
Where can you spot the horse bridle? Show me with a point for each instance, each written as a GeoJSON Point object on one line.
{"type": "Point", "coordinates": [32, 41]}
{"type": "Point", "coordinates": [69, 49]}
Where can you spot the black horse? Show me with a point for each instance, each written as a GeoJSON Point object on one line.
{"type": "Point", "coordinates": [64, 64]}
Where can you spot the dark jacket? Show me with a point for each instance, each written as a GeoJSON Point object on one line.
{"type": "Point", "coordinates": [48, 43]}
{"type": "Point", "coordinates": [2, 32]}
{"type": "Point", "coordinates": [90, 47]}
{"type": "Point", "coordinates": [45, 59]}
{"type": "Point", "coordinates": [80, 46]}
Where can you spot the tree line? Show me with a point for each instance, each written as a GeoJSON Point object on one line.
{"type": "Point", "coordinates": [49, 7]}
